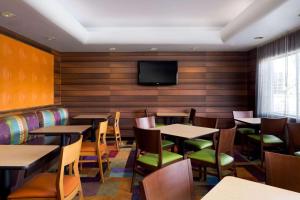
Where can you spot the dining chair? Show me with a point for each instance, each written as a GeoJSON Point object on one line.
{"type": "Point", "coordinates": [55, 185]}
{"type": "Point", "coordinates": [221, 159]}
{"type": "Point", "coordinates": [149, 154]}
{"type": "Point", "coordinates": [96, 149]}
{"type": "Point", "coordinates": [115, 130]}
{"type": "Point", "coordinates": [149, 122]}
{"type": "Point", "coordinates": [163, 183]}
{"type": "Point", "coordinates": [294, 138]}
{"type": "Point", "coordinates": [243, 129]}
{"type": "Point", "coordinates": [198, 143]}
{"type": "Point", "coordinates": [282, 171]}
{"type": "Point", "coordinates": [192, 116]}
{"type": "Point", "coordinates": [272, 134]}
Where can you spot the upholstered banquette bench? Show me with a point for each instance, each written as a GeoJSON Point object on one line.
{"type": "Point", "coordinates": [15, 128]}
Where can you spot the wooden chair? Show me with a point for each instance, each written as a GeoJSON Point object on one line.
{"type": "Point", "coordinates": [243, 129]}
{"type": "Point", "coordinates": [272, 135]}
{"type": "Point", "coordinates": [283, 171]}
{"type": "Point", "coordinates": [167, 183]}
{"type": "Point", "coordinates": [294, 138]}
{"type": "Point", "coordinates": [221, 158]}
{"type": "Point", "coordinates": [149, 155]}
{"type": "Point", "coordinates": [149, 122]}
{"type": "Point", "coordinates": [192, 116]}
{"type": "Point", "coordinates": [115, 130]}
{"type": "Point", "coordinates": [198, 143]}
{"type": "Point", "coordinates": [96, 149]}
{"type": "Point", "coordinates": [55, 186]}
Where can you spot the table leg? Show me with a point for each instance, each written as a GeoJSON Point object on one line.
{"type": "Point", "coordinates": [180, 145]}
{"type": "Point", "coordinates": [93, 134]}
{"type": "Point", "coordinates": [62, 140]}
{"type": "Point", "coordinates": [4, 184]}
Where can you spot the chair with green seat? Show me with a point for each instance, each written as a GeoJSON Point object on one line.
{"type": "Point", "coordinates": [149, 122]}
{"type": "Point", "coordinates": [294, 138]}
{"type": "Point", "coordinates": [192, 116]}
{"type": "Point", "coordinates": [147, 114]}
{"type": "Point", "coordinates": [220, 159]}
{"type": "Point", "coordinates": [149, 155]}
{"type": "Point", "coordinates": [272, 135]}
{"type": "Point", "coordinates": [199, 143]}
{"type": "Point", "coordinates": [243, 129]}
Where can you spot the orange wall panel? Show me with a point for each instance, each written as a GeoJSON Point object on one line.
{"type": "Point", "coordinates": [26, 75]}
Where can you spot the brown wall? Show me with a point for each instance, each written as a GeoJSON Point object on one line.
{"type": "Point", "coordinates": [252, 62]}
{"type": "Point", "coordinates": [215, 83]}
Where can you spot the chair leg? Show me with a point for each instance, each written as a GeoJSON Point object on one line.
{"type": "Point", "coordinates": [234, 170]}
{"type": "Point", "coordinates": [132, 181]}
{"type": "Point", "coordinates": [200, 173]}
{"type": "Point", "coordinates": [219, 173]}
{"type": "Point", "coordinates": [262, 156]}
{"type": "Point", "coordinates": [100, 167]}
{"type": "Point", "coordinates": [204, 173]}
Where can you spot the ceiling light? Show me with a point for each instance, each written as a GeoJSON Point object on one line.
{"type": "Point", "coordinates": [112, 49]}
{"type": "Point", "coordinates": [7, 14]}
{"type": "Point", "coordinates": [50, 38]}
{"type": "Point", "coordinates": [153, 49]}
{"type": "Point", "coordinates": [259, 38]}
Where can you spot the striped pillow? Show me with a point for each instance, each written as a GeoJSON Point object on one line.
{"type": "Point", "coordinates": [48, 118]}
{"type": "Point", "coordinates": [18, 130]}
{"type": "Point", "coordinates": [64, 116]}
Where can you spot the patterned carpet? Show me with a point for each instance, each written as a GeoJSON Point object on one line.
{"type": "Point", "coordinates": [118, 179]}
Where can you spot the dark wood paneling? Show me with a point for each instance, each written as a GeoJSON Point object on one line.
{"type": "Point", "coordinates": [252, 64]}
{"type": "Point", "coordinates": [215, 83]}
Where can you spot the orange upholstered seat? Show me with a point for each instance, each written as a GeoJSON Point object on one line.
{"type": "Point", "coordinates": [44, 185]}
{"type": "Point", "coordinates": [91, 147]}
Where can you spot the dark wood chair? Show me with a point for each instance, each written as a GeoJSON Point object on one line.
{"type": "Point", "coordinates": [200, 143]}
{"type": "Point", "coordinates": [221, 159]}
{"type": "Point", "coordinates": [283, 171]}
{"type": "Point", "coordinates": [294, 138]}
{"type": "Point", "coordinates": [167, 183]}
{"type": "Point", "coordinates": [149, 155]}
{"type": "Point", "coordinates": [149, 122]}
{"type": "Point", "coordinates": [243, 129]}
{"type": "Point", "coordinates": [272, 135]}
{"type": "Point", "coordinates": [192, 116]}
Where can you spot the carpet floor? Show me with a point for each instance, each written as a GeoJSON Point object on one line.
{"type": "Point", "coordinates": [118, 178]}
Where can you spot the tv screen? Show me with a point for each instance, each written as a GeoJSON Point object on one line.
{"type": "Point", "coordinates": [157, 72]}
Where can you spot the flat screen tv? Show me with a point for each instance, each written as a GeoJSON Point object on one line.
{"type": "Point", "coordinates": [157, 72]}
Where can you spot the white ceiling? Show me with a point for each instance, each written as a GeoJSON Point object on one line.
{"type": "Point", "coordinates": [138, 25]}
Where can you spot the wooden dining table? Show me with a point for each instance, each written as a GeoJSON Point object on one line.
{"type": "Point", "coordinates": [182, 132]}
{"type": "Point", "coordinates": [93, 118]}
{"type": "Point", "coordinates": [21, 157]}
{"type": "Point", "coordinates": [62, 131]}
{"type": "Point", "coordinates": [252, 122]}
{"type": "Point", "coordinates": [232, 188]}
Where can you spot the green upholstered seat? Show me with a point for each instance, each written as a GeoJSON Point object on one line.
{"type": "Point", "coordinates": [208, 155]}
{"type": "Point", "coordinates": [246, 130]}
{"type": "Point", "coordinates": [267, 139]}
{"type": "Point", "coordinates": [152, 159]}
{"type": "Point", "coordinates": [165, 143]}
{"type": "Point", "coordinates": [297, 153]}
{"type": "Point", "coordinates": [159, 125]}
{"type": "Point", "coordinates": [199, 143]}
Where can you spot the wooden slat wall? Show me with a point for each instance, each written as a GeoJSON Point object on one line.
{"type": "Point", "coordinates": [215, 83]}
{"type": "Point", "coordinates": [57, 80]}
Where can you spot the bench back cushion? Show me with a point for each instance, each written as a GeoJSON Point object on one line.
{"type": "Point", "coordinates": [64, 116]}
{"type": "Point", "coordinates": [47, 118]}
{"type": "Point", "coordinates": [13, 130]}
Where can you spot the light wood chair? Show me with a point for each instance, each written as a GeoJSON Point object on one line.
{"type": "Point", "coordinates": [55, 185]}
{"type": "Point", "coordinates": [167, 183]}
{"type": "Point", "coordinates": [115, 130]}
{"type": "Point", "coordinates": [97, 149]}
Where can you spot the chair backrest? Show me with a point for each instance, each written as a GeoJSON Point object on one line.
{"type": "Point", "coordinates": [273, 126]}
{"type": "Point", "coordinates": [283, 171]}
{"type": "Point", "coordinates": [145, 122]}
{"type": "Point", "coordinates": [101, 136]}
{"type": "Point", "coordinates": [242, 114]}
{"type": "Point", "coordinates": [167, 183]}
{"type": "Point", "coordinates": [146, 113]}
{"type": "Point", "coordinates": [69, 155]}
{"type": "Point", "coordinates": [294, 136]}
{"type": "Point", "coordinates": [192, 115]}
{"type": "Point", "coordinates": [208, 122]}
{"type": "Point", "coordinates": [225, 123]}
{"type": "Point", "coordinates": [148, 140]}
{"type": "Point", "coordinates": [117, 123]}
{"type": "Point", "coordinates": [226, 141]}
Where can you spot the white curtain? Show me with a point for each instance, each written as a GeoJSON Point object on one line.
{"type": "Point", "coordinates": [278, 78]}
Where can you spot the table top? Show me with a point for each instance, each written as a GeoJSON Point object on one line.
{"type": "Point", "coordinates": [62, 129]}
{"type": "Point", "coordinates": [92, 116]}
{"type": "Point", "coordinates": [186, 131]}
{"type": "Point", "coordinates": [177, 114]}
{"type": "Point", "coordinates": [22, 156]}
{"type": "Point", "coordinates": [253, 121]}
{"type": "Point", "coordinates": [232, 188]}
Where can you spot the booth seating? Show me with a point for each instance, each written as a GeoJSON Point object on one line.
{"type": "Point", "coordinates": [15, 128]}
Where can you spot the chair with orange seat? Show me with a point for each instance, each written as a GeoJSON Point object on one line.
{"type": "Point", "coordinates": [97, 149]}
{"type": "Point", "coordinates": [115, 130]}
{"type": "Point", "coordinates": [55, 186]}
